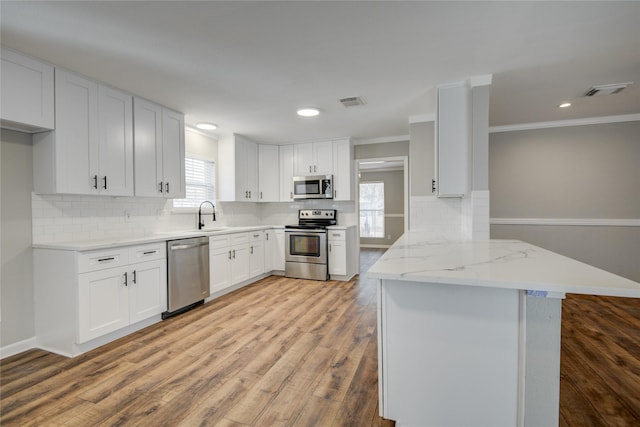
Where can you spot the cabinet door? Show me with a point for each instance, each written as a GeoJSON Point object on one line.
{"type": "Point", "coordinates": [278, 250]}
{"type": "Point", "coordinates": [240, 269]}
{"type": "Point", "coordinates": [337, 257]}
{"type": "Point", "coordinates": [286, 173]}
{"type": "Point", "coordinates": [303, 159]}
{"type": "Point", "coordinates": [269, 173]}
{"type": "Point", "coordinates": [256, 258]}
{"type": "Point", "coordinates": [220, 269]}
{"type": "Point", "coordinates": [453, 142]}
{"type": "Point", "coordinates": [115, 112]}
{"type": "Point", "coordinates": [147, 289]}
{"type": "Point", "coordinates": [342, 170]}
{"type": "Point", "coordinates": [241, 162]}
{"type": "Point", "coordinates": [252, 171]}
{"type": "Point", "coordinates": [27, 92]}
{"type": "Point", "coordinates": [269, 245]}
{"type": "Point", "coordinates": [76, 135]}
{"type": "Point", "coordinates": [103, 302]}
{"type": "Point", "coordinates": [323, 158]}
{"type": "Point", "coordinates": [173, 154]}
{"type": "Point", "coordinates": [147, 138]}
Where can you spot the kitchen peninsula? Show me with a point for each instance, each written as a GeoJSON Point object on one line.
{"type": "Point", "coordinates": [469, 331]}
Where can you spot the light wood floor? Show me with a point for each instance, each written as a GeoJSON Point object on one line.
{"type": "Point", "coordinates": [279, 352]}
{"type": "Point", "coordinates": [292, 352]}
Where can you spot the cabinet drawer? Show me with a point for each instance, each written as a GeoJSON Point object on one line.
{"type": "Point", "coordinates": [256, 236]}
{"type": "Point", "coordinates": [239, 238]}
{"type": "Point", "coordinates": [149, 252]}
{"type": "Point", "coordinates": [217, 242]}
{"type": "Point", "coordinates": [101, 259]}
{"type": "Point", "coordinates": [336, 234]}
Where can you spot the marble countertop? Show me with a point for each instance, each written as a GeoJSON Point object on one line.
{"type": "Point", "coordinates": [512, 264]}
{"type": "Point", "coordinates": [110, 242]}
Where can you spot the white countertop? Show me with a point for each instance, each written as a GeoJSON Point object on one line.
{"type": "Point", "coordinates": [104, 243]}
{"type": "Point", "coordinates": [512, 264]}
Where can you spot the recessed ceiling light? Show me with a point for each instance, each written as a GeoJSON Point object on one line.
{"type": "Point", "coordinates": [565, 105]}
{"type": "Point", "coordinates": [308, 112]}
{"type": "Point", "coordinates": [207, 126]}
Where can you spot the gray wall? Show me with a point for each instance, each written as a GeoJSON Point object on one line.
{"type": "Point", "coordinates": [16, 254]}
{"type": "Point", "coordinates": [393, 204]}
{"type": "Point", "coordinates": [580, 172]}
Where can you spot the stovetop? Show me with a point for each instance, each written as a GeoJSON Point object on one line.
{"type": "Point", "coordinates": [314, 219]}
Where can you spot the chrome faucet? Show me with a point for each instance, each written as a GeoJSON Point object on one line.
{"type": "Point", "coordinates": [200, 222]}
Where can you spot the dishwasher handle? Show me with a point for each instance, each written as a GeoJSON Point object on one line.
{"type": "Point", "coordinates": [181, 247]}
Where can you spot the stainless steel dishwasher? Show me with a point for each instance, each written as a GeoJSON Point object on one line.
{"type": "Point", "coordinates": [187, 274]}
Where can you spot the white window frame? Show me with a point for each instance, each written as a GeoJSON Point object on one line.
{"type": "Point", "coordinates": [192, 209]}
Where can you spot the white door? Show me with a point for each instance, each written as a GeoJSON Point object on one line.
{"type": "Point", "coordinates": [173, 154]}
{"type": "Point", "coordinates": [115, 113]}
{"type": "Point", "coordinates": [76, 134]}
{"type": "Point", "coordinates": [147, 289]}
{"type": "Point", "coordinates": [337, 257]}
{"type": "Point", "coordinates": [147, 140]}
{"type": "Point", "coordinates": [240, 269]}
{"type": "Point", "coordinates": [303, 159]}
{"type": "Point", "coordinates": [286, 172]}
{"type": "Point", "coordinates": [256, 258]}
{"type": "Point", "coordinates": [323, 155]}
{"type": "Point", "coordinates": [220, 268]}
{"type": "Point", "coordinates": [103, 302]}
{"type": "Point", "coordinates": [269, 173]}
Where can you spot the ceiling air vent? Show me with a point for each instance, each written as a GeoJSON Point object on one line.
{"type": "Point", "coordinates": [352, 101]}
{"type": "Point", "coordinates": [609, 89]}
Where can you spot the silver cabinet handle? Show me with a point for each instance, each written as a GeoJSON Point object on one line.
{"type": "Point", "coordinates": [251, 250]}
{"type": "Point", "coordinates": [261, 195]}
{"type": "Point", "coordinates": [106, 259]}
{"type": "Point", "coordinates": [229, 253]}
{"type": "Point", "coordinates": [149, 252]}
{"type": "Point", "coordinates": [315, 168]}
{"type": "Point", "coordinates": [125, 279]}
{"type": "Point", "coordinates": [234, 254]}
{"type": "Point", "coordinates": [310, 168]}
{"type": "Point", "coordinates": [329, 247]}
{"type": "Point", "coordinates": [160, 187]}
{"type": "Point", "coordinates": [291, 194]}
{"type": "Point", "coordinates": [249, 193]}
{"type": "Point", "coordinates": [134, 276]}
{"type": "Point", "coordinates": [181, 247]}
{"type": "Point", "coordinates": [266, 235]}
{"type": "Point", "coordinates": [95, 182]}
{"type": "Point", "coordinates": [166, 186]}
{"type": "Point", "coordinates": [104, 182]}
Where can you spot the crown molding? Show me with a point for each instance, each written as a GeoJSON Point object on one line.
{"type": "Point", "coordinates": [566, 123]}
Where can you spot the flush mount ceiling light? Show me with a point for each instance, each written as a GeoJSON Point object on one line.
{"type": "Point", "coordinates": [207, 126]}
{"type": "Point", "coordinates": [308, 112]}
{"type": "Point", "coordinates": [565, 105]}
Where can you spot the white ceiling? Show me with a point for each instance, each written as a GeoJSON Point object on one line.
{"type": "Point", "coordinates": [247, 66]}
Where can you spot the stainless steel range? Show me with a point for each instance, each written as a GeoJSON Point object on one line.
{"type": "Point", "coordinates": [306, 244]}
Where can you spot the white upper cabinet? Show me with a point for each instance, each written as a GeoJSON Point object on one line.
{"type": "Point", "coordinates": [159, 151]}
{"type": "Point", "coordinates": [115, 148]}
{"type": "Point", "coordinates": [27, 93]}
{"type": "Point", "coordinates": [286, 173]}
{"type": "Point", "coordinates": [453, 141]}
{"type": "Point", "coordinates": [91, 150]}
{"type": "Point", "coordinates": [238, 170]}
{"type": "Point", "coordinates": [268, 173]}
{"type": "Point", "coordinates": [314, 158]}
{"type": "Point", "coordinates": [343, 182]}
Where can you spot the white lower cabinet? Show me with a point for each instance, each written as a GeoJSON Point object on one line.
{"type": "Point", "coordinates": [256, 253]}
{"type": "Point", "coordinates": [274, 255]}
{"type": "Point", "coordinates": [85, 296]}
{"type": "Point", "coordinates": [228, 260]}
{"type": "Point", "coordinates": [343, 253]}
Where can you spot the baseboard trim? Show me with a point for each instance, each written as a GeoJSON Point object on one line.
{"type": "Point", "coordinates": [18, 347]}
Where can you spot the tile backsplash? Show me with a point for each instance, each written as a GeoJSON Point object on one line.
{"type": "Point", "coordinates": [62, 218]}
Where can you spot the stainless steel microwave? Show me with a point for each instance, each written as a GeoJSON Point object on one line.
{"type": "Point", "coordinates": [313, 187]}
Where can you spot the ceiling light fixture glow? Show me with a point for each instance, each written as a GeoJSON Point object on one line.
{"type": "Point", "coordinates": [565, 105]}
{"type": "Point", "coordinates": [308, 112]}
{"type": "Point", "coordinates": [207, 126]}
